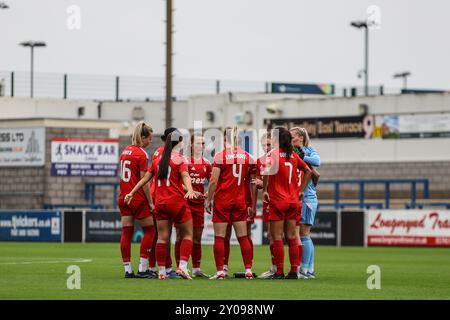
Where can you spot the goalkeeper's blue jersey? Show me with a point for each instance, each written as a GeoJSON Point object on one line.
{"type": "Point", "coordinates": [312, 158]}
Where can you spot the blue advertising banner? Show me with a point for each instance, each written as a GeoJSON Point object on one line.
{"type": "Point", "coordinates": [303, 88]}
{"type": "Point", "coordinates": [30, 226]}
{"type": "Point", "coordinates": [84, 169]}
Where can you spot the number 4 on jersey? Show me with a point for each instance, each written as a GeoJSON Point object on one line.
{"type": "Point", "coordinates": [237, 174]}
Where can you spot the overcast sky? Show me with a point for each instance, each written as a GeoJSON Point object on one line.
{"type": "Point", "coordinates": [274, 40]}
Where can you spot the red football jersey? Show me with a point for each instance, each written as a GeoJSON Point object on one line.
{"type": "Point", "coordinates": [248, 185]}
{"type": "Point", "coordinates": [199, 171]}
{"type": "Point", "coordinates": [248, 192]}
{"type": "Point", "coordinates": [234, 168]}
{"type": "Point", "coordinates": [284, 179]}
{"type": "Point", "coordinates": [170, 190]}
{"type": "Point", "coordinates": [133, 161]}
{"type": "Point", "coordinates": [158, 153]}
{"type": "Point", "coordinates": [260, 169]}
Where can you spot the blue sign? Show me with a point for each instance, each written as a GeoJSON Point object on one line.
{"type": "Point", "coordinates": [30, 226]}
{"type": "Point", "coordinates": [84, 169]}
{"type": "Point", "coordinates": [303, 88]}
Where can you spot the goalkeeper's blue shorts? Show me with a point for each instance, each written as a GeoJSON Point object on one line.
{"type": "Point", "coordinates": [309, 209]}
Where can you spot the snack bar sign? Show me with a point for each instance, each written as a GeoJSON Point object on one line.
{"type": "Point", "coordinates": [85, 157]}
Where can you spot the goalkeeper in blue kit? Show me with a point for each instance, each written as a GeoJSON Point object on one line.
{"type": "Point", "coordinates": [300, 140]}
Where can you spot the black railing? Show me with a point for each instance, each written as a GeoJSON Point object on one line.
{"type": "Point", "coordinates": [122, 88]}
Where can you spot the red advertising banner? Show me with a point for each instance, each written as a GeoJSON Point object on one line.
{"type": "Point", "coordinates": [408, 228]}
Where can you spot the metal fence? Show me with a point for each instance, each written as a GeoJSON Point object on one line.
{"type": "Point", "coordinates": [122, 88]}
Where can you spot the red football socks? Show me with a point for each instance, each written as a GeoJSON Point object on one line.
{"type": "Point", "coordinates": [293, 254]}
{"type": "Point", "coordinates": [226, 253]}
{"type": "Point", "coordinates": [219, 248]}
{"type": "Point", "coordinates": [300, 253]}
{"type": "Point", "coordinates": [147, 241]}
{"type": "Point", "coordinates": [251, 244]}
{"type": "Point", "coordinates": [246, 251]}
{"type": "Point", "coordinates": [125, 243]}
{"type": "Point", "coordinates": [152, 258]}
{"type": "Point", "coordinates": [278, 251]}
{"type": "Point", "coordinates": [161, 252]}
{"type": "Point", "coordinates": [168, 257]}
{"type": "Point", "coordinates": [177, 252]}
{"type": "Point", "coordinates": [185, 249]}
{"type": "Point", "coordinates": [196, 255]}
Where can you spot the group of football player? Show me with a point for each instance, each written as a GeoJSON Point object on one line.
{"type": "Point", "coordinates": [172, 192]}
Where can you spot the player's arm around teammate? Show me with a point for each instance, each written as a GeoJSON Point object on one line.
{"type": "Point", "coordinates": [171, 206]}
{"type": "Point", "coordinates": [309, 202]}
{"type": "Point", "coordinates": [133, 166]}
{"type": "Point", "coordinates": [266, 143]}
{"type": "Point", "coordinates": [281, 191]}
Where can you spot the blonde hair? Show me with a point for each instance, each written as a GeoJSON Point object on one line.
{"type": "Point", "coordinates": [141, 130]}
{"type": "Point", "coordinates": [301, 132]}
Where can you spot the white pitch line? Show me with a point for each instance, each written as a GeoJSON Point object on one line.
{"type": "Point", "coordinates": [48, 262]}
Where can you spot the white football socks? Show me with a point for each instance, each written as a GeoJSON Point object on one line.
{"type": "Point", "coordinates": [127, 267]}
{"type": "Point", "coordinates": [162, 270]}
{"type": "Point", "coordinates": [183, 265]}
{"type": "Point", "coordinates": [143, 264]}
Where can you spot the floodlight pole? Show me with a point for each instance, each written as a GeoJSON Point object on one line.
{"type": "Point", "coordinates": [32, 72]}
{"type": "Point", "coordinates": [366, 62]}
{"type": "Point", "coordinates": [365, 25]}
{"type": "Point", "coordinates": [168, 63]}
{"type": "Point", "coordinates": [32, 44]}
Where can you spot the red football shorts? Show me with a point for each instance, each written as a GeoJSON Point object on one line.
{"type": "Point", "coordinates": [177, 212]}
{"type": "Point", "coordinates": [283, 211]}
{"type": "Point", "coordinates": [137, 209]}
{"type": "Point", "coordinates": [198, 215]}
{"type": "Point", "coordinates": [231, 212]}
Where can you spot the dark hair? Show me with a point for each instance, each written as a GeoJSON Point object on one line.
{"type": "Point", "coordinates": [195, 135]}
{"type": "Point", "coordinates": [167, 132]}
{"type": "Point", "coordinates": [172, 140]}
{"type": "Point", "coordinates": [285, 140]}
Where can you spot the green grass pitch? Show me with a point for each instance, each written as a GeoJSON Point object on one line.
{"type": "Point", "coordinates": [38, 271]}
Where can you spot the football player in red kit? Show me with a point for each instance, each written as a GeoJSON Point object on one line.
{"type": "Point", "coordinates": [266, 143]}
{"type": "Point", "coordinates": [200, 172]}
{"type": "Point", "coordinates": [171, 206]}
{"type": "Point", "coordinates": [133, 166]}
{"type": "Point", "coordinates": [250, 222]}
{"type": "Point", "coordinates": [171, 273]}
{"type": "Point", "coordinates": [280, 185]}
{"type": "Point", "coordinates": [227, 187]}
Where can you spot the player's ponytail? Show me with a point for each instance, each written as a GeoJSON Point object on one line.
{"type": "Point", "coordinates": [285, 140]}
{"type": "Point", "coordinates": [171, 141]}
{"type": "Point", "coordinates": [142, 130]}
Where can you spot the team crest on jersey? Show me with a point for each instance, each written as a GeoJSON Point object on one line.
{"type": "Point", "coordinates": [193, 168]}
